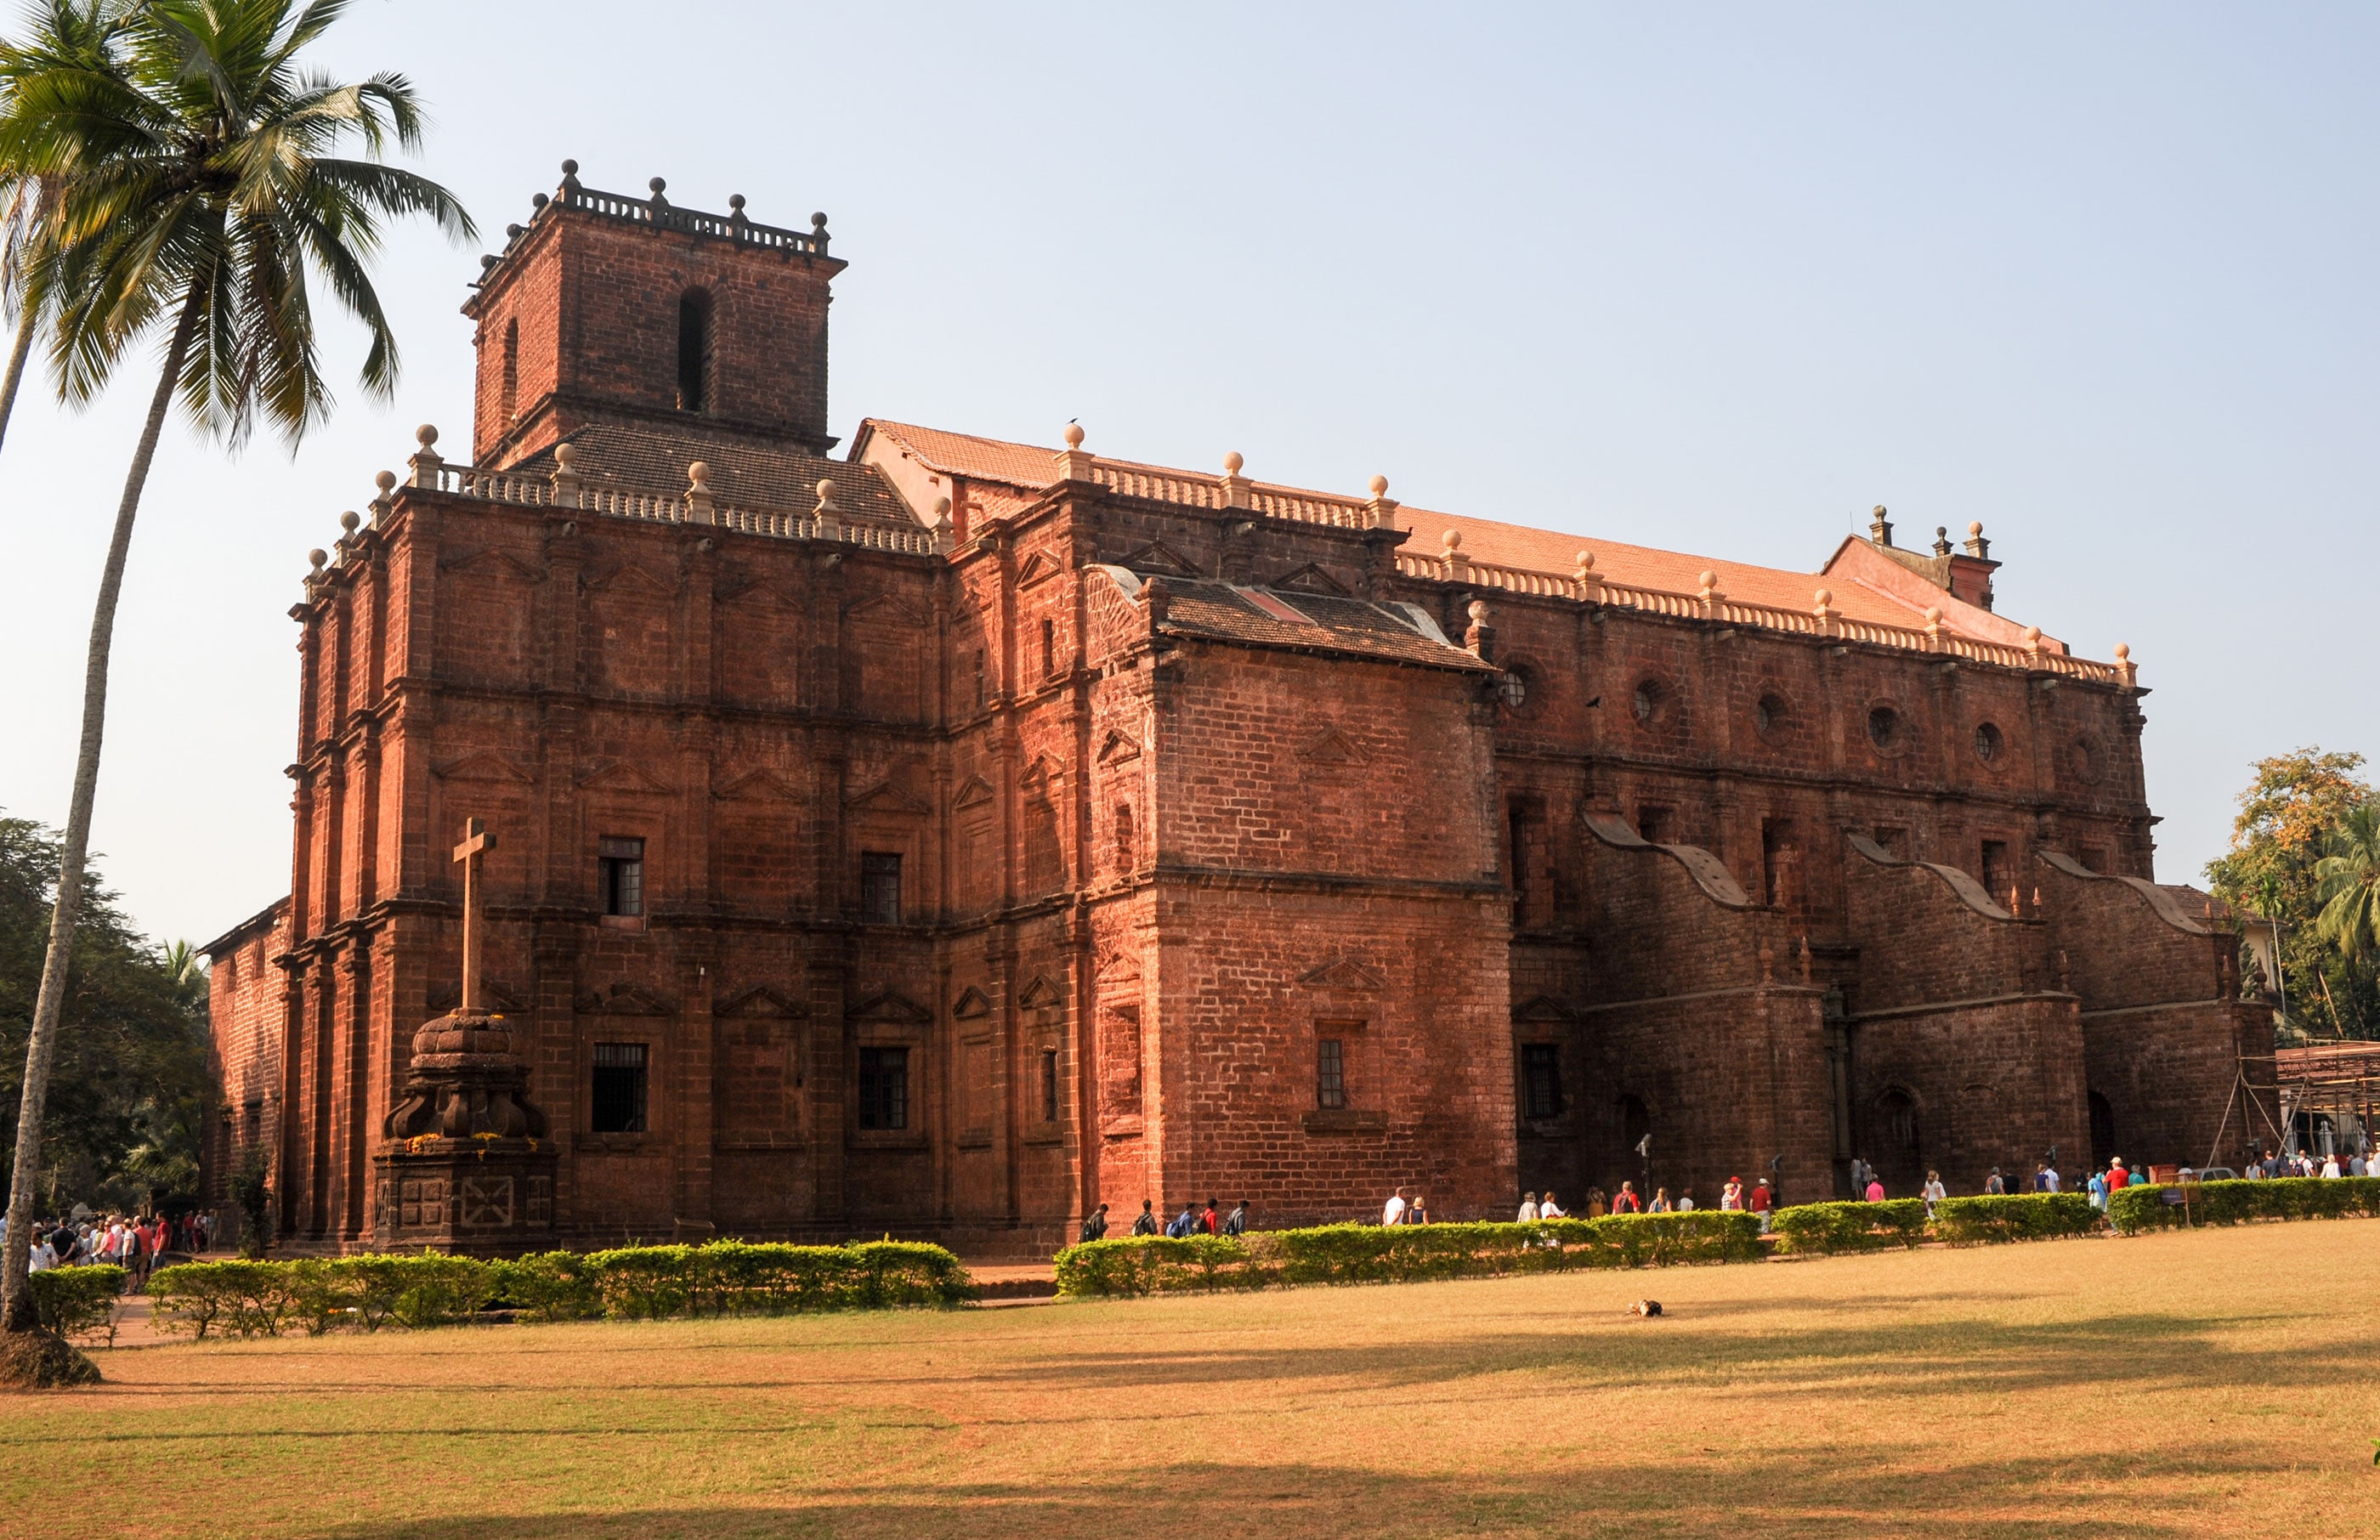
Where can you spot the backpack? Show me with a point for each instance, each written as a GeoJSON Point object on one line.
{"type": "Point", "coordinates": [1182, 1225]}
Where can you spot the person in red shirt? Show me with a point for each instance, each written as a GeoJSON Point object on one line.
{"type": "Point", "coordinates": [2117, 1175]}
{"type": "Point", "coordinates": [1626, 1201]}
{"type": "Point", "coordinates": [1761, 1199]}
{"type": "Point", "coordinates": [1210, 1221]}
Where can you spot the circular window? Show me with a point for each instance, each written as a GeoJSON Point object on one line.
{"type": "Point", "coordinates": [1987, 741]}
{"type": "Point", "coordinates": [1768, 715]}
{"type": "Point", "coordinates": [1647, 703]}
{"type": "Point", "coordinates": [2084, 758]}
{"type": "Point", "coordinates": [1514, 688]}
{"type": "Point", "coordinates": [1884, 727]}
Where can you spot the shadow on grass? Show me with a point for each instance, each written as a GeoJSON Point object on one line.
{"type": "Point", "coordinates": [1842, 1493]}
{"type": "Point", "coordinates": [1932, 1358]}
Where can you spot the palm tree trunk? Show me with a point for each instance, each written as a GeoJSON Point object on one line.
{"type": "Point", "coordinates": [16, 1312]}
{"type": "Point", "coordinates": [15, 369]}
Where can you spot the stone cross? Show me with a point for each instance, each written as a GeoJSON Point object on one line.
{"type": "Point", "coordinates": [476, 842]}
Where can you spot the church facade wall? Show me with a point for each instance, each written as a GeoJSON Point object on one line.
{"type": "Point", "coordinates": [972, 891]}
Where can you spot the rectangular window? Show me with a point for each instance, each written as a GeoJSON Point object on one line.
{"type": "Point", "coordinates": [1049, 650]}
{"type": "Point", "coordinates": [617, 1096]}
{"type": "Point", "coordinates": [2093, 858]}
{"type": "Point", "coordinates": [1516, 828]}
{"type": "Point", "coordinates": [1541, 1093]}
{"type": "Point", "coordinates": [1893, 841]}
{"type": "Point", "coordinates": [884, 1087]}
{"type": "Point", "coordinates": [1049, 1085]}
{"type": "Point", "coordinates": [1999, 877]}
{"type": "Point", "coordinates": [1779, 854]}
{"type": "Point", "coordinates": [880, 888]}
{"type": "Point", "coordinates": [1330, 1074]}
{"type": "Point", "coordinates": [1653, 824]}
{"type": "Point", "coordinates": [622, 869]}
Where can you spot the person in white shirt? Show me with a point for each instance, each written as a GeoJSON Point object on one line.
{"type": "Point", "coordinates": [1393, 1211]}
{"type": "Point", "coordinates": [1933, 1192]}
{"type": "Point", "coordinates": [2330, 1166]}
{"type": "Point", "coordinates": [1686, 1203]}
{"type": "Point", "coordinates": [44, 1257]}
{"type": "Point", "coordinates": [1549, 1209]}
{"type": "Point", "coordinates": [1528, 1208]}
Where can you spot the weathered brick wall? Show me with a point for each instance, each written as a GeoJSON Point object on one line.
{"type": "Point", "coordinates": [2183, 1065]}
{"type": "Point", "coordinates": [592, 306]}
{"type": "Point", "coordinates": [247, 1017]}
{"type": "Point", "coordinates": [1960, 1087]}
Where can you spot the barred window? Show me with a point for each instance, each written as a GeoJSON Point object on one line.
{"type": "Point", "coordinates": [1541, 1093]}
{"type": "Point", "coordinates": [1330, 1074]}
{"type": "Point", "coordinates": [617, 1096]}
{"type": "Point", "coordinates": [880, 887]}
{"type": "Point", "coordinates": [622, 864]}
{"type": "Point", "coordinates": [884, 1087]}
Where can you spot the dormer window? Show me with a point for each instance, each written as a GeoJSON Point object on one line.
{"type": "Point", "coordinates": [696, 352]}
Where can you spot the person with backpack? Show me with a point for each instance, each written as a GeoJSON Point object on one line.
{"type": "Point", "coordinates": [1184, 1223]}
{"type": "Point", "coordinates": [1095, 1224]}
{"type": "Point", "coordinates": [1147, 1224]}
{"type": "Point", "coordinates": [1237, 1223]}
{"type": "Point", "coordinates": [1212, 1221]}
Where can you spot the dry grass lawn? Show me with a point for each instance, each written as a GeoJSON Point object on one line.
{"type": "Point", "coordinates": [2219, 1382]}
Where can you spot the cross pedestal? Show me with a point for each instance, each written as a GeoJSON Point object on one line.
{"type": "Point", "coordinates": [465, 1164]}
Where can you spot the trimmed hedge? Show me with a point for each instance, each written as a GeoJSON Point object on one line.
{"type": "Point", "coordinates": [263, 1299]}
{"type": "Point", "coordinates": [1830, 1229]}
{"type": "Point", "coordinates": [1401, 1254]}
{"type": "Point", "coordinates": [2014, 1217]}
{"type": "Point", "coordinates": [2289, 1197]}
{"type": "Point", "coordinates": [79, 1302]}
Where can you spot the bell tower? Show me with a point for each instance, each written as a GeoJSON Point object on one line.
{"type": "Point", "coordinates": [606, 308]}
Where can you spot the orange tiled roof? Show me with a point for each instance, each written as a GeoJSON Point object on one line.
{"type": "Point", "coordinates": [1028, 465]}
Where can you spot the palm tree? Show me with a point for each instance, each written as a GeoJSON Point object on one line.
{"type": "Point", "coordinates": [203, 192]}
{"type": "Point", "coordinates": [66, 36]}
{"type": "Point", "coordinates": [2348, 884]}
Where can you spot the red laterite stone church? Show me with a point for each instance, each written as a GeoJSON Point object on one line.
{"type": "Point", "coordinates": [954, 835]}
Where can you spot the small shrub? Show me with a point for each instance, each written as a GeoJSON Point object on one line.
{"type": "Point", "coordinates": [79, 1302]}
{"type": "Point", "coordinates": [2291, 1197]}
{"type": "Point", "coordinates": [548, 1286]}
{"type": "Point", "coordinates": [1829, 1228]}
{"type": "Point", "coordinates": [2013, 1216]}
{"type": "Point", "coordinates": [237, 1299]}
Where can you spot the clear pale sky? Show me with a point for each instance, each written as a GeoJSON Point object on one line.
{"type": "Point", "coordinates": [1717, 278]}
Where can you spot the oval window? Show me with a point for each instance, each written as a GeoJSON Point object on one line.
{"type": "Point", "coordinates": [2085, 758]}
{"type": "Point", "coordinates": [1514, 688]}
{"type": "Point", "coordinates": [1884, 727]}
{"type": "Point", "coordinates": [1647, 703]}
{"type": "Point", "coordinates": [1768, 714]}
{"type": "Point", "coordinates": [1987, 741]}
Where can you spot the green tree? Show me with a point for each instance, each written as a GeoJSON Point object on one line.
{"type": "Point", "coordinates": [128, 1088]}
{"type": "Point", "coordinates": [197, 196]}
{"type": "Point", "coordinates": [2288, 817]}
{"type": "Point", "coordinates": [2348, 884]}
{"type": "Point", "coordinates": [64, 36]}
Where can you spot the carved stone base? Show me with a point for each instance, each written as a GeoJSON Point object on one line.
{"type": "Point", "coordinates": [466, 1165]}
{"type": "Point", "coordinates": [477, 1196]}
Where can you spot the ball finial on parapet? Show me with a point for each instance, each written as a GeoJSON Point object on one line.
{"type": "Point", "coordinates": [736, 201]}
{"type": "Point", "coordinates": [1231, 463]}
{"type": "Point", "coordinates": [1074, 435]}
{"type": "Point", "coordinates": [2124, 652]}
{"type": "Point", "coordinates": [1379, 486]}
{"type": "Point", "coordinates": [426, 435]}
{"type": "Point", "coordinates": [348, 521]}
{"type": "Point", "coordinates": [697, 477]}
{"type": "Point", "coordinates": [1478, 612]}
{"type": "Point", "coordinates": [318, 556]}
{"type": "Point", "coordinates": [658, 185]}
{"type": "Point", "coordinates": [385, 481]}
{"type": "Point", "coordinates": [1451, 540]}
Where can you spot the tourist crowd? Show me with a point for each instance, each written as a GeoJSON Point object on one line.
{"type": "Point", "coordinates": [132, 1242]}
